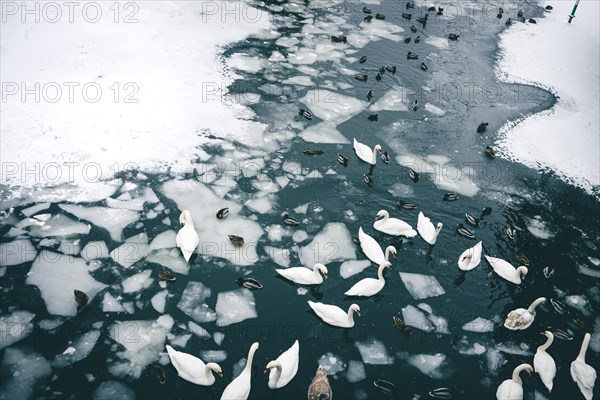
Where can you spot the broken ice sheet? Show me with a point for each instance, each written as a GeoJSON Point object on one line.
{"type": "Point", "coordinates": [235, 306]}
{"type": "Point", "coordinates": [421, 286]}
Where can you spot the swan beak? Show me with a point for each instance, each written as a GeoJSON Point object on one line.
{"type": "Point", "coordinates": [393, 255]}
{"type": "Point", "coordinates": [266, 371]}
{"type": "Point", "coordinates": [325, 276]}
{"type": "Point", "coordinates": [358, 312]}
{"type": "Point", "coordinates": [220, 374]}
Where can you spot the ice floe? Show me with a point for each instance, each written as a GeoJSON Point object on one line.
{"type": "Point", "coordinates": [350, 268]}
{"type": "Point", "coordinates": [436, 366]}
{"type": "Point", "coordinates": [333, 243]}
{"type": "Point", "coordinates": [421, 286]}
{"type": "Point", "coordinates": [79, 349]}
{"type": "Point", "coordinates": [113, 390]}
{"type": "Point", "coordinates": [192, 302]}
{"type": "Point", "coordinates": [24, 370]}
{"type": "Point", "coordinates": [137, 282]}
{"type": "Point", "coordinates": [16, 252]}
{"type": "Point", "coordinates": [332, 364]}
{"type": "Point", "coordinates": [479, 324]}
{"type": "Point", "coordinates": [159, 301]}
{"type": "Point", "coordinates": [113, 220]}
{"type": "Point", "coordinates": [235, 306]}
{"type": "Point", "coordinates": [14, 327]}
{"type": "Point", "coordinates": [356, 371]}
{"type": "Point", "coordinates": [374, 352]}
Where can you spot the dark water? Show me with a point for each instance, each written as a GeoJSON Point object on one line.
{"type": "Point", "coordinates": [515, 193]}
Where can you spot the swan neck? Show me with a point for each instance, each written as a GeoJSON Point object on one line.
{"type": "Point", "coordinates": [517, 371]}
{"type": "Point", "coordinates": [208, 371]}
{"type": "Point", "coordinates": [380, 272]}
{"type": "Point", "coordinates": [584, 347]}
{"type": "Point", "coordinates": [387, 253]}
{"type": "Point", "coordinates": [277, 371]}
{"type": "Point", "coordinates": [536, 303]}
{"type": "Point", "coordinates": [547, 344]}
{"type": "Point", "coordinates": [250, 359]}
{"type": "Point", "coordinates": [350, 315]}
{"type": "Point", "coordinates": [374, 158]}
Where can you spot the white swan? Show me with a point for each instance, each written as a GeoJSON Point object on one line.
{"type": "Point", "coordinates": [284, 368]}
{"type": "Point", "coordinates": [583, 374]}
{"type": "Point", "coordinates": [304, 276]}
{"type": "Point", "coordinates": [239, 388]}
{"type": "Point", "coordinates": [333, 315]}
{"type": "Point", "coordinates": [428, 232]}
{"type": "Point", "coordinates": [470, 258]}
{"type": "Point", "coordinates": [393, 226]}
{"type": "Point", "coordinates": [193, 369]}
{"type": "Point", "coordinates": [365, 153]}
{"type": "Point", "coordinates": [512, 389]}
{"type": "Point", "coordinates": [544, 363]}
{"type": "Point", "coordinates": [505, 270]}
{"type": "Point", "coordinates": [372, 249]}
{"type": "Point", "coordinates": [521, 318]}
{"type": "Point", "coordinates": [369, 286]}
{"type": "Point", "coordinates": [187, 238]}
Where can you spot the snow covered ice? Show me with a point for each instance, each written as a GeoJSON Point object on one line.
{"type": "Point", "coordinates": [374, 352]}
{"type": "Point", "coordinates": [193, 304]}
{"type": "Point", "coordinates": [421, 286]}
{"type": "Point", "coordinates": [235, 306]}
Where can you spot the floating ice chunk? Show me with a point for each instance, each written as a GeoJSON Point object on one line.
{"type": "Point", "coordinates": [374, 352]}
{"type": "Point", "coordinates": [275, 232]}
{"type": "Point", "coordinates": [14, 327]}
{"type": "Point", "coordinates": [57, 276]}
{"type": "Point", "coordinates": [299, 236]}
{"type": "Point", "coordinates": [286, 41]}
{"type": "Point", "coordinates": [479, 325]}
{"type": "Point", "coordinates": [171, 259]}
{"type": "Point", "coordinates": [595, 340]}
{"type": "Point", "coordinates": [79, 350]}
{"type": "Point", "coordinates": [260, 204]}
{"type": "Point", "coordinates": [495, 360]}
{"type": "Point", "coordinates": [113, 390]}
{"type": "Point", "coordinates": [465, 348]}
{"type": "Point", "coordinates": [135, 204]}
{"type": "Point", "coordinates": [138, 282]}
{"type": "Point", "coordinates": [292, 167]}
{"type": "Point", "coordinates": [333, 243]}
{"type": "Point", "coordinates": [95, 250]}
{"type": "Point", "coordinates": [299, 80]}
{"type": "Point", "coordinates": [414, 317]}
{"type": "Point", "coordinates": [539, 228]}
{"type": "Point", "coordinates": [198, 330]}
{"type": "Point", "coordinates": [434, 109]}
{"type": "Point", "coordinates": [16, 252]}
{"type": "Point", "coordinates": [421, 286]}
{"type": "Point", "coordinates": [28, 212]}
{"type": "Point", "coordinates": [302, 56]}
{"type": "Point", "coordinates": [215, 356]}
{"type": "Point", "coordinates": [235, 306]}
{"type": "Point", "coordinates": [113, 220]}
{"type": "Point", "coordinates": [302, 209]}
{"type": "Point", "coordinates": [436, 366]}
{"type": "Point", "coordinates": [129, 253]}
{"type": "Point", "coordinates": [142, 340]}
{"type": "Point", "coordinates": [192, 302]}
{"type": "Point", "coordinates": [356, 371]}
{"type": "Point", "coordinates": [392, 100]}
{"type": "Point", "coordinates": [302, 291]}
{"type": "Point", "coordinates": [332, 364]}
{"type": "Point", "coordinates": [218, 338]}
{"type": "Point", "coordinates": [350, 268]}
{"type": "Point", "coordinates": [439, 42]}
{"type": "Point", "coordinates": [579, 303]}
{"type": "Point", "coordinates": [521, 349]}
{"type": "Point", "coordinates": [401, 190]}
{"type": "Point", "coordinates": [243, 62]}
{"type": "Point", "coordinates": [280, 257]}
{"type": "Point", "coordinates": [25, 370]}
{"type": "Point", "coordinates": [59, 225]}
{"type": "Point", "coordinates": [179, 341]}
{"type": "Point", "coordinates": [159, 300]}
{"type": "Point", "coordinates": [71, 247]}
{"type": "Point", "coordinates": [333, 108]}
{"type": "Point", "coordinates": [323, 133]}
{"type": "Point", "coordinates": [164, 240]}
{"type": "Point", "coordinates": [282, 181]}
{"type": "Point", "coordinates": [111, 304]}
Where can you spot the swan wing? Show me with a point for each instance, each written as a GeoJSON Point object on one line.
{"type": "Point", "coordinates": [370, 247]}
{"type": "Point", "coordinates": [300, 275]}
{"type": "Point", "coordinates": [519, 319]}
{"type": "Point", "coordinates": [289, 364]}
{"type": "Point", "coordinates": [187, 240]}
{"type": "Point", "coordinates": [363, 151]}
{"type": "Point", "coordinates": [504, 269]}
{"type": "Point", "coordinates": [585, 376]}
{"type": "Point", "coordinates": [396, 227]}
{"type": "Point", "coordinates": [509, 390]}
{"type": "Point", "coordinates": [330, 314]}
{"type": "Point", "coordinates": [365, 287]}
{"type": "Point", "coordinates": [545, 366]}
{"type": "Point", "coordinates": [425, 228]}
{"type": "Point", "coordinates": [470, 258]}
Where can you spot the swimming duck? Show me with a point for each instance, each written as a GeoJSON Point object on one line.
{"type": "Point", "coordinates": [482, 127]}
{"type": "Point", "coordinates": [81, 298]}
{"type": "Point", "coordinates": [406, 205]}
{"type": "Point", "coordinates": [373, 117]}
{"type": "Point", "coordinates": [431, 9]}
{"type": "Point", "coordinates": [379, 16]}
{"type": "Point", "coordinates": [417, 39]}
{"type": "Point", "coordinates": [499, 16]}
{"type": "Point", "coordinates": [413, 29]}
{"type": "Point", "coordinates": [410, 5]}
{"type": "Point", "coordinates": [548, 272]}
{"type": "Point", "coordinates": [312, 152]}
{"type": "Point", "coordinates": [390, 68]}
{"type": "Point", "coordinates": [223, 213]}
{"type": "Point", "coordinates": [249, 283]}
{"type": "Point", "coordinates": [450, 197]}
{"type": "Point", "coordinates": [520, 14]}
{"type": "Point", "coordinates": [500, 10]}
{"type": "Point", "coordinates": [414, 176]}
{"type": "Point", "coordinates": [453, 36]}
{"type": "Point", "coordinates": [464, 231]}
{"type": "Point", "coordinates": [366, 10]}
{"type": "Point", "coordinates": [424, 66]}
{"type": "Point", "coordinates": [339, 39]}
{"type": "Point", "coordinates": [423, 19]}
{"type": "Point", "coordinates": [368, 180]}
{"type": "Point", "coordinates": [384, 157]}
{"type": "Point", "coordinates": [549, 8]}
{"type": "Point", "coordinates": [166, 276]}
{"type": "Point", "coordinates": [306, 114]}
{"type": "Point", "coordinates": [319, 388]}
{"type": "Point", "coordinates": [378, 76]}
{"type": "Point", "coordinates": [401, 325]}
{"type": "Point", "coordinates": [415, 105]}
{"type": "Point", "coordinates": [382, 69]}
{"type": "Point", "coordinates": [342, 159]}
{"type": "Point", "coordinates": [407, 40]}
{"type": "Point", "coordinates": [511, 232]}
{"type": "Point", "coordinates": [289, 220]}
{"type": "Point", "coordinates": [522, 318]}
{"type": "Point", "coordinates": [407, 16]}
{"type": "Point", "coordinates": [236, 240]}
{"type": "Point", "coordinates": [386, 387]}
{"type": "Point", "coordinates": [441, 393]}
{"type": "Point", "coordinates": [368, 18]}
{"type": "Point", "coordinates": [361, 77]}
{"type": "Point", "coordinates": [363, 59]}
{"type": "Point", "coordinates": [490, 152]}
{"type": "Point", "coordinates": [508, 21]}
{"type": "Point", "coordinates": [485, 212]}
{"type": "Point", "coordinates": [532, 21]}
{"type": "Point", "coordinates": [369, 95]}
{"type": "Point", "coordinates": [472, 220]}
{"type": "Point", "coordinates": [412, 56]}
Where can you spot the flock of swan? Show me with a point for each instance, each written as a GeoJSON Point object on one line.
{"type": "Point", "coordinates": [284, 368]}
